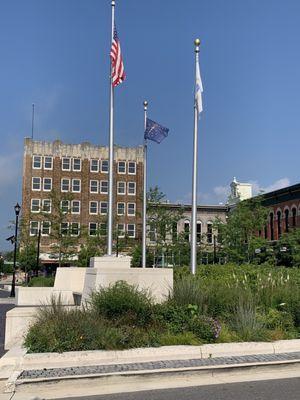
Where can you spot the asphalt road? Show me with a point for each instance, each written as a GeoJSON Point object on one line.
{"type": "Point", "coordinates": [3, 309]}
{"type": "Point", "coordinates": [283, 389]}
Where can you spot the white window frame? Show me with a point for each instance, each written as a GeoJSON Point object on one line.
{"type": "Point", "coordinates": [67, 225]}
{"type": "Point", "coordinates": [104, 172]}
{"type": "Point", "coordinates": [121, 232]}
{"type": "Point", "coordinates": [62, 163]}
{"type": "Point", "coordinates": [71, 227]}
{"type": "Point", "coordinates": [101, 191]}
{"type": "Point", "coordinates": [39, 206]}
{"type": "Point", "coordinates": [124, 208]}
{"type": "Point", "coordinates": [40, 183]}
{"type": "Point", "coordinates": [93, 223]}
{"type": "Point", "coordinates": [46, 168]}
{"type": "Point", "coordinates": [134, 208]}
{"type": "Point", "coordinates": [95, 187]}
{"type": "Point", "coordinates": [99, 227]}
{"type": "Point", "coordinates": [118, 187]}
{"type": "Point", "coordinates": [61, 184]}
{"type": "Point", "coordinates": [44, 179]}
{"type": "Point", "coordinates": [72, 205]}
{"type": "Point", "coordinates": [121, 173]}
{"type": "Point", "coordinates": [73, 163]}
{"type": "Point", "coordinates": [42, 228]}
{"type": "Point", "coordinates": [41, 162]}
{"type": "Point", "coordinates": [100, 208]}
{"type": "Point", "coordinates": [37, 229]}
{"type": "Point", "coordinates": [91, 163]}
{"type": "Point", "coordinates": [134, 184]}
{"type": "Point", "coordinates": [133, 237]}
{"type": "Point", "coordinates": [76, 191]}
{"type": "Point", "coordinates": [61, 206]}
{"type": "Point", "coordinates": [50, 206]}
{"type": "Point", "coordinates": [131, 173]}
{"type": "Point", "coordinates": [97, 205]}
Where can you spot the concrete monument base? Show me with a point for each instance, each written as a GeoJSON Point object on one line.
{"type": "Point", "coordinates": [107, 270]}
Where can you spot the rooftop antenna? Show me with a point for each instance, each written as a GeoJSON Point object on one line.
{"type": "Point", "coordinates": [32, 121]}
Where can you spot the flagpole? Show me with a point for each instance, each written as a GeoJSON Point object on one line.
{"type": "Point", "coordinates": [194, 188]}
{"type": "Point", "coordinates": [111, 147]}
{"type": "Point", "coordinates": [145, 103]}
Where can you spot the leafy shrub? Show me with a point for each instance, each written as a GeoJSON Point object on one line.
{"type": "Point", "coordinates": [41, 281]}
{"type": "Point", "coordinates": [186, 338]}
{"type": "Point", "coordinates": [123, 302]}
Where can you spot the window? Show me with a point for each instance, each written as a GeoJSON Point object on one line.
{"type": "Point", "coordinates": [45, 228]}
{"type": "Point", "coordinates": [103, 207]}
{"type": "Point", "coordinates": [209, 233]}
{"type": "Point", "coordinates": [266, 232]}
{"type": "Point", "coordinates": [36, 162]}
{"type": "Point", "coordinates": [131, 209]}
{"type": "Point", "coordinates": [36, 183]}
{"type": "Point", "coordinates": [94, 186]}
{"type": "Point", "coordinates": [75, 207]}
{"type": "Point", "coordinates": [65, 185]}
{"type": "Point", "coordinates": [48, 162]}
{"type": "Point", "coordinates": [121, 208]}
{"type": "Point", "coordinates": [104, 166]}
{"type": "Point", "coordinates": [121, 187]}
{"type": "Point", "coordinates": [131, 230]}
{"type": "Point", "coordinates": [103, 186]}
{"type": "Point", "coordinates": [131, 188]}
{"type": "Point", "coordinates": [286, 219]}
{"type": "Point", "coordinates": [46, 206]}
{"type": "Point", "coordinates": [64, 228]}
{"type": "Point", "coordinates": [66, 164]}
{"type": "Point", "coordinates": [93, 207]}
{"type": "Point", "coordinates": [76, 164]}
{"type": "Point", "coordinates": [279, 223]}
{"type": "Point", "coordinates": [92, 229]}
{"type": "Point", "coordinates": [272, 226]}
{"type": "Point", "coordinates": [102, 229]}
{"type": "Point", "coordinates": [152, 231]}
{"type": "Point", "coordinates": [47, 184]}
{"type": "Point", "coordinates": [76, 185]}
{"type": "Point", "coordinates": [131, 167]}
{"type": "Point", "coordinates": [74, 229]}
{"type": "Point", "coordinates": [199, 229]}
{"type": "Point", "coordinates": [94, 165]}
{"type": "Point", "coordinates": [65, 206]}
{"type": "Point", "coordinates": [174, 231]}
{"type": "Point", "coordinates": [121, 167]}
{"type": "Point", "coordinates": [187, 230]}
{"type": "Point", "coordinates": [34, 228]}
{"type": "Point", "coordinates": [294, 213]}
{"type": "Point", "coordinates": [35, 205]}
{"type": "Point", "coordinates": [121, 230]}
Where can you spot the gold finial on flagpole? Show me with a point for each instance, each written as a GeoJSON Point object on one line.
{"type": "Point", "coordinates": [197, 44]}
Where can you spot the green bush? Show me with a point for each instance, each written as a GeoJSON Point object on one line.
{"type": "Point", "coordinates": [41, 281]}
{"type": "Point", "coordinates": [123, 302]}
{"type": "Point", "coordinates": [186, 338]}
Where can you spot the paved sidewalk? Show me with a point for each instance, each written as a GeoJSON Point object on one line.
{"type": "Point", "coordinates": [89, 371]}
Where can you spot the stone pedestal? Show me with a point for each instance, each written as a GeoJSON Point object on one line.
{"type": "Point", "coordinates": [107, 270]}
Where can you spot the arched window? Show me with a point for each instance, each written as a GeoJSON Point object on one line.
{"type": "Point", "coordinates": [199, 229]}
{"type": "Point", "coordinates": [272, 226]}
{"type": "Point", "coordinates": [266, 232]}
{"type": "Point", "coordinates": [286, 219]}
{"type": "Point", "coordinates": [294, 214]}
{"type": "Point", "coordinates": [187, 230]}
{"type": "Point", "coordinates": [209, 233]}
{"type": "Point", "coordinates": [279, 223]}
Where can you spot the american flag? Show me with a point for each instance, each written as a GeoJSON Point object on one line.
{"type": "Point", "coordinates": [118, 73]}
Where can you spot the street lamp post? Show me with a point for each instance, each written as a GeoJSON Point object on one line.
{"type": "Point", "coordinates": [13, 285]}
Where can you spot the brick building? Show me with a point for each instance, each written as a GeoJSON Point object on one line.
{"type": "Point", "coordinates": [82, 171]}
{"type": "Point", "coordinates": [284, 212]}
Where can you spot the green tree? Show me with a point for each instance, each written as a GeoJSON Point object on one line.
{"type": "Point", "coordinates": [239, 236]}
{"type": "Point", "coordinates": [288, 249]}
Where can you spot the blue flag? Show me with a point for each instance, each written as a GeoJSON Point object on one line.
{"type": "Point", "coordinates": [155, 132]}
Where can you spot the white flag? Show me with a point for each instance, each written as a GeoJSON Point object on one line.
{"type": "Point", "coordinates": [198, 90]}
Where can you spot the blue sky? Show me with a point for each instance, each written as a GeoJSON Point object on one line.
{"type": "Point", "coordinates": [55, 54]}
